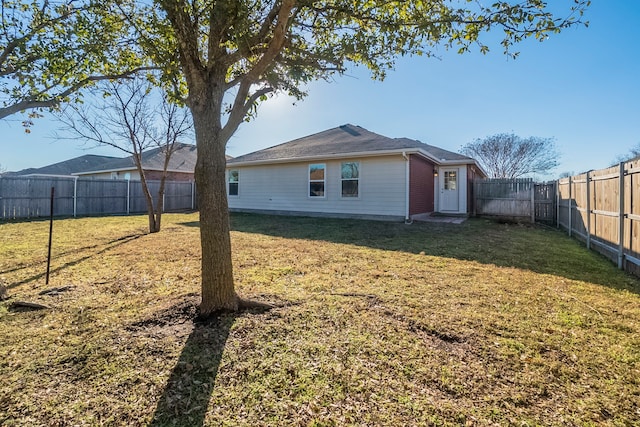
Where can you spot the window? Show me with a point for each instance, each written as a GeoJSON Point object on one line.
{"type": "Point", "coordinates": [350, 175]}
{"type": "Point", "coordinates": [316, 180]}
{"type": "Point", "coordinates": [450, 181]}
{"type": "Point", "coordinates": [234, 180]}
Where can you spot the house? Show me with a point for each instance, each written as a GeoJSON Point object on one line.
{"type": "Point", "coordinates": [349, 171]}
{"type": "Point", "coordinates": [66, 167]}
{"type": "Point", "coordinates": [180, 168]}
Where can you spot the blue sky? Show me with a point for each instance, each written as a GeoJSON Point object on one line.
{"type": "Point", "coordinates": [581, 87]}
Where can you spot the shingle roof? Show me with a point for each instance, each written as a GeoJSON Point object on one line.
{"type": "Point", "coordinates": [67, 167]}
{"type": "Point", "coordinates": [183, 159]}
{"type": "Point", "coordinates": [345, 139]}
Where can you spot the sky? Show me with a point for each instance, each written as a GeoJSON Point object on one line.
{"type": "Point", "coordinates": [580, 87]}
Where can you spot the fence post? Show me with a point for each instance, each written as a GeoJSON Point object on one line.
{"type": "Point", "coordinates": [193, 198]}
{"type": "Point", "coordinates": [75, 196]}
{"type": "Point", "coordinates": [621, 218]}
{"type": "Point", "coordinates": [533, 202]}
{"type": "Point", "coordinates": [558, 204]}
{"type": "Point", "coordinates": [589, 210]}
{"type": "Point", "coordinates": [128, 196]}
{"type": "Point", "coordinates": [570, 208]}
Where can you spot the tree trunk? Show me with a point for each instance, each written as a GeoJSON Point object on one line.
{"type": "Point", "coordinates": [160, 205]}
{"type": "Point", "coordinates": [154, 226]}
{"type": "Point", "coordinates": [217, 271]}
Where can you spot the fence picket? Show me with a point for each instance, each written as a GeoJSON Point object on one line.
{"type": "Point", "coordinates": [600, 208]}
{"type": "Point", "coordinates": [28, 197]}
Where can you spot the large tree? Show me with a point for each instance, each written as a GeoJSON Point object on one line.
{"type": "Point", "coordinates": [49, 51]}
{"type": "Point", "coordinates": [234, 53]}
{"type": "Point", "coordinates": [506, 155]}
{"type": "Point", "coordinates": [226, 56]}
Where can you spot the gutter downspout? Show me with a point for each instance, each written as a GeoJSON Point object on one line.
{"type": "Point", "coordinates": [407, 219]}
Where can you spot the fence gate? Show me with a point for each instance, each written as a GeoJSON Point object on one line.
{"type": "Point", "coordinates": [504, 198]}
{"type": "Point", "coordinates": [545, 202]}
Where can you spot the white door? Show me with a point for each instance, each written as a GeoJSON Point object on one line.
{"type": "Point", "coordinates": [449, 190]}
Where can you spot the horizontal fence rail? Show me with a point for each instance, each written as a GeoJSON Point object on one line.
{"type": "Point", "coordinates": [518, 199]}
{"type": "Point", "coordinates": [600, 208]}
{"type": "Point", "coordinates": [29, 197]}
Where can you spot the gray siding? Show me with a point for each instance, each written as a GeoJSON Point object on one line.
{"type": "Point", "coordinates": [285, 187]}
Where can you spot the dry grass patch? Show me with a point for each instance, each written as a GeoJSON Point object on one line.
{"type": "Point", "coordinates": [376, 324]}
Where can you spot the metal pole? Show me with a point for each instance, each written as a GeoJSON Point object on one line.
{"type": "Point", "coordinates": [75, 196]}
{"type": "Point", "coordinates": [588, 210]}
{"type": "Point", "coordinates": [570, 208]}
{"type": "Point", "coordinates": [128, 196]}
{"type": "Point", "coordinates": [621, 219]}
{"type": "Point", "coordinates": [557, 188]}
{"type": "Point", "coordinates": [53, 189]}
{"type": "Point", "coordinates": [193, 205]}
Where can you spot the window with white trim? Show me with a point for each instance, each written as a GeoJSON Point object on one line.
{"type": "Point", "coordinates": [350, 177]}
{"type": "Point", "coordinates": [233, 183]}
{"type": "Point", "coordinates": [317, 179]}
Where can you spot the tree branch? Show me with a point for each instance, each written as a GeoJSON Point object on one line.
{"type": "Point", "coordinates": [55, 100]}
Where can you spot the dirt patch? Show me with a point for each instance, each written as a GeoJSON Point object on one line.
{"type": "Point", "coordinates": [176, 320]}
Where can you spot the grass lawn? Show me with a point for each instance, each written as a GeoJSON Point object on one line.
{"type": "Point", "coordinates": [376, 324]}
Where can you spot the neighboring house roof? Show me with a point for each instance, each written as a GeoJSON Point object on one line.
{"type": "Point", "coordinates": [67, 167]}
{"type": "Point", "coordinates": [347, 140]}
{"type": "Point", "coordinates": [183, 159]}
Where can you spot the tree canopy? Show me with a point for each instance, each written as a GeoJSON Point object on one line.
{"type": "Point", "coordinates": [632, 154]}
{"type": "Point", "coordinates": [51, 50]}
{"type": "Point", "coordinates": [222, 58]}
{"type": "Point", "coordinates": [506, 155]}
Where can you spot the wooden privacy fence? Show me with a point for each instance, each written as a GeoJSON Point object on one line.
{"type": "Point", "coordinates": [518, 199]}
{"type": "Point", "coordinates": [602, 208]}
{"type": "Point", "coordinates": [28, 197]}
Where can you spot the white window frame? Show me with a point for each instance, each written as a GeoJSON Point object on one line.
{"type": "Point", "coordinates": [323, 181]}
{"type": "Point", "coordinates": [236, 182]}
{"type": "Point", "coordinates": [342, 179]}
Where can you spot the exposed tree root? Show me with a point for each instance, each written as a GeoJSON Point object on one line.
{"type": "Point", "coordinates": [245, 304]}
{"type": "Point", "coordinates": [56, 291]}
{"type": "Point", "coordinates": [28, 304]}
{"type": "Point", "coordinates": [241, 305]}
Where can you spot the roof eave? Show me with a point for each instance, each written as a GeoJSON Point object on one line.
{"type": "Point", "coordinates": [129, 169]}
{"type": "Point", "coordinates": [378, 153]}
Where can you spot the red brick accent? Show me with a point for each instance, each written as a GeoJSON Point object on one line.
{"type": "Point", "coordinates": [421, 196]}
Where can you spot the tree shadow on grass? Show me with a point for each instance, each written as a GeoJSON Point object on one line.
{"type": "Point", "coordinates": [536, 248]}
{"type": "Point", "coordinates": [107, 247]}
{"type": "Point", "coordinates": [185, 399]}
